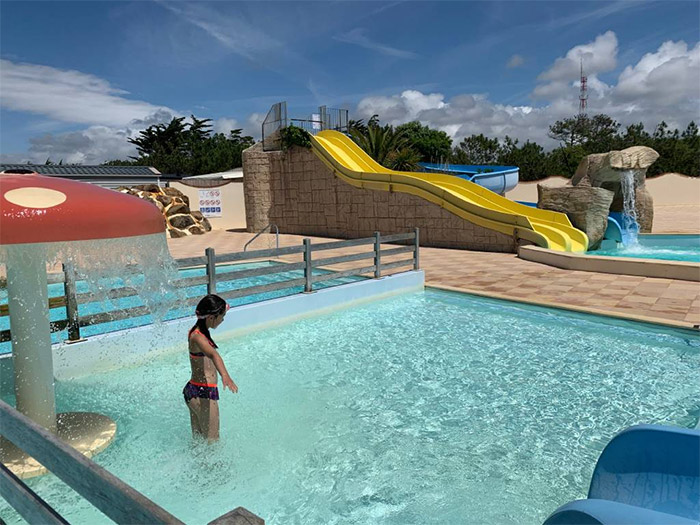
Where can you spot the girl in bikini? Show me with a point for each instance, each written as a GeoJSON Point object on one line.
{"type": "Point", "coordinates": [201, 391]}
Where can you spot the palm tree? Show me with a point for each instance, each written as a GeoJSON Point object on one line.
{"type": "Point", "coordinates": [378, 141]}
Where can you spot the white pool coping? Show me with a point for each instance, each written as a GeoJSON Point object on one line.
{"type": "Point", "coordinates": [136, 346]}
{"type": "Point", "coordinates": [681, 270]}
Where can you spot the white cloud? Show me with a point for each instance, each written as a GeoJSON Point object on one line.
{"type": "Point", "coordinates": [358, 37]}
{"type": "Point", "coordinates": [664, 85]}
{"type": "Point", "coordinates": [515, 61]}
{"type": "Point", "coordinates": [666, 77]}
{"type": "Point", "coordinates": [599, 56]}
{"type": "Point", "coordinates": [68, 96]}
{"type": "Point", "coordinates": [93, 145]}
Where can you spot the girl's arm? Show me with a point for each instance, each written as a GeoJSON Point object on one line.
{"type": "Point", "coordinates": [211, 353]}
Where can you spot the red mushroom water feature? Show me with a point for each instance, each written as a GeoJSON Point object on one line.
{"type": "Point", "coordinates": [39, 217]}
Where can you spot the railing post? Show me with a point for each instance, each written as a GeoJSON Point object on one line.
{"type": "Point", "coordinates": [211, 270]}
{"type": "Point", "coordinates": [307, 269]}
{"type": "Point", "coordinates": [377, 256]}
{"type": "Point", "coordinates": [416, 251]}
{"type": "Point", "coordinates": [70, 292]}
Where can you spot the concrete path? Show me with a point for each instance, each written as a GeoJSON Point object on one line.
{"type": "Point", "coordinates": [664, 301]}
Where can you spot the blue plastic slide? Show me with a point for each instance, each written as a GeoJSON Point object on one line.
{"type": "Point", "coordinates": [498, 179]}
{"type": "Point", "coordinates": [615, 230]}
{"type": "Point", "coordinates": [647, 475]}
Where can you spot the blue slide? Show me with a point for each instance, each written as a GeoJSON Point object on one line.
{"type": "Point", "coordinates": [498, 179]}
{"type": "Point", "coordinates": [615, 230]}
{"type": "Point", "coordinates": [647, 475]}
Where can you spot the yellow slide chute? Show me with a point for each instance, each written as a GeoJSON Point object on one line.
{"type": "Point", "coordinates": [465, 199]}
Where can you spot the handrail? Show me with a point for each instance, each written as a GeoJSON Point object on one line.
{"type": "Point", "coordinates": [277, 236]}
{"type": "Point", "coordinates": [215, 274]}
{"type": "Point", "coordinates": [119, 501]}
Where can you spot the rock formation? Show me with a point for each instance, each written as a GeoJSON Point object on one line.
{"type": "Point", "coordinates": [596, 190]}
{"type": "Point", "coordinates": [605, 170]}
{"type": "Point", "coordinates": [175, 206]}
{"type": "Point", "coordinates": [586, 207]}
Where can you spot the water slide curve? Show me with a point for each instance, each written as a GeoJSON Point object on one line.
{"type": "Point", "coordinates": [465, 199]}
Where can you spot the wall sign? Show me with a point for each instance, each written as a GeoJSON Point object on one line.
{"type": "Point", "coordinates": [210, 202]}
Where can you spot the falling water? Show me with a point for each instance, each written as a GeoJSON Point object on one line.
{"type": "Point", "coordinates": [630, 226]}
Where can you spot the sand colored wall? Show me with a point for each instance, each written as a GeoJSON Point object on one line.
{"type": "Point", "coordinates": [674, 189]}
{"type": "Point", "coordinates": [232, 201]}
{"type": "Point", "coordinates": [296, 191]}
{"type": "Point", "coordinates": [666, 190]}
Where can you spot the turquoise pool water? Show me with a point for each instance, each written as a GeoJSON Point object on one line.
{"type": "Point", "coordinates": [684, 248]}
{"type": "Point", "coordinates": [430, 407]}
{"type": "Point", "coordinates": [56, 290]}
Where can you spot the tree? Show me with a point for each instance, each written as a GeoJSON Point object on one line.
{"type": "Point", "coordinates": [404, 159]}
{"type": "Point", "coordinates": [598, 133]}
{"type": "Point", "coordinates": [530, 158]}
{"type": "Point", "coordinates": [570, 131]}
{"type": "Point", "coordinates": [189, 148]}
{"type": "Point", "coordinates": [478, 149]}
{"type": "Point", "coordinates": [376, 140]}
{"type": "Point", "coordinates": [430, 144]}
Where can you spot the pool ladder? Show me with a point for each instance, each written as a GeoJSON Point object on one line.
{"type": "Point", "coordinates": [277, 236]}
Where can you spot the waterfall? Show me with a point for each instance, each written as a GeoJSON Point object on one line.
{"type": "Point", "coordinates": [630, 227]}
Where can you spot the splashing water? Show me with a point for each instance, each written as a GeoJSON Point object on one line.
{"type": "Point", "coordinates": [140, 262]}
{"type": "Point", "coordinates": [629, 216]}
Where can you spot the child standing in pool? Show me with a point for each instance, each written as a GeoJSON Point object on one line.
{"type": "Point", "coordinates": [201, 391]}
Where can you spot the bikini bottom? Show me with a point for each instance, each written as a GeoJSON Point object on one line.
{"type": "Point", "coordinates": [202, 390]}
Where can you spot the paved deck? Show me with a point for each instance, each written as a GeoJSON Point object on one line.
{"type": "Point", "coordinates": [664, 301]}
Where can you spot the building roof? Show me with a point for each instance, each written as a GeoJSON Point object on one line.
{"type": "Point", "coordinates": [108, 176]}
{"type": "Point", "coordinates": [235, 173]}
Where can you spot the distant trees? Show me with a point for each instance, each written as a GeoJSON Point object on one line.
{"type": "Point", "coordinates": [188, 148]}
{"type": "Point", "coordinates": [431, 145]}
{"type": "Point", "coordinates": [582, 135]}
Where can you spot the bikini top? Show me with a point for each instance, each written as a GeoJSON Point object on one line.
{"type": "Point", "coordinates": [201, 354]}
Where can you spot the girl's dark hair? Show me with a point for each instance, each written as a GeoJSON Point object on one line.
{"type": "Point", "coordinates": [209, 305]}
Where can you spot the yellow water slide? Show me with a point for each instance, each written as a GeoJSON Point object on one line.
{"type": "Point", "coordinates": [465, 199]}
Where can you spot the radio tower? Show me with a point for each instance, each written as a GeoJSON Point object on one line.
{"type": "Point", "coordinates": [583, 93]}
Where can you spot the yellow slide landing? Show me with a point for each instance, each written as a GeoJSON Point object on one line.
{"type": "Point", "coordinates": [465, 199]}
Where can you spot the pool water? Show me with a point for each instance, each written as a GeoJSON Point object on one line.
{"type": "Point", "coordinates": [685, 248]}
{"type": "Point", "coordinates": [667, 253]}
{"type": "Point", "coordinates": [430, 407]}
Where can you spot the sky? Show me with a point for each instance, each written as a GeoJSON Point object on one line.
{"type": "Point", "coordinates": [77, 79]}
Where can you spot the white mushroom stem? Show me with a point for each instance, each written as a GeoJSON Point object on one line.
{"type": "Point", "coordinates": [27, 293]}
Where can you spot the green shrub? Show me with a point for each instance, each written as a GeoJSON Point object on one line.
{"type": "Point", "coordinates": [294, 136]}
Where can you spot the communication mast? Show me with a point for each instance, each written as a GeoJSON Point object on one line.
{"type": "Point", "coordinates": [583, 93]}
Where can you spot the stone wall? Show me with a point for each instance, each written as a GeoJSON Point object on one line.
{"type": "Point", "coordinates": [298, 193]}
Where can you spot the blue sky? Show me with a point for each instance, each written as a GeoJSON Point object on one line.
{"type": "Point", "coordinates": [78, 78]}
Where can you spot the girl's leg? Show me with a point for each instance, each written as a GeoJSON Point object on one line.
{"type": "Point", "coordinates": [209, 419]}
{"type": "Point", "coordinates": [194, 406]}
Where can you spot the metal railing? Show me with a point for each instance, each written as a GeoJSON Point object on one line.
{"type": "Point", "coordinates": [275, 121]}
{"type": "Point", "coordinates": [118, 501]}
{"type": "Point", "coordinates": [300, 274]}
{"type": "Point", "coordinates": [277, 236]}
{"type": "Point", "coordinates": [311, 126]}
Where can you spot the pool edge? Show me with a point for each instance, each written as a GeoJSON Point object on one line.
{"type": "Point", "coordinates": [670, 323]}
{"type": "Point", "coordinates": [678, 270]}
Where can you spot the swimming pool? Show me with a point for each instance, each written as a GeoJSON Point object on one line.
{"type": "Point", "coordinates": [430, 407]}
{"type": "Point", "coordinates": [684, 248]}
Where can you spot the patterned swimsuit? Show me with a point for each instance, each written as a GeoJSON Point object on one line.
{"type": "Point", "coordinates": [202, 390]}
